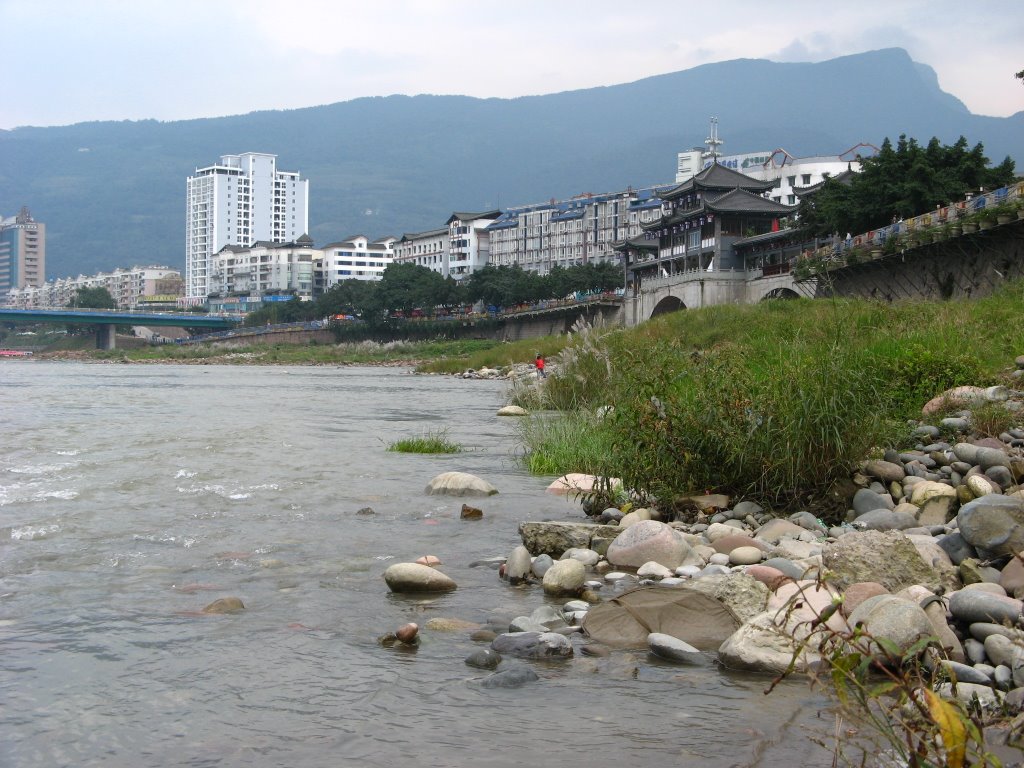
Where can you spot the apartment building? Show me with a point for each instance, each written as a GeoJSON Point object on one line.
{"type": "Point", "coordinates": [469, 245]}
{"type": "Point", "coordinates": [354, 258]}
{"type": "Point", "coordinates": [265, 269]}
{"type": "Point", "coordinates": [424, 249]}
{"type": "Point", "coordinates": [22, 252]}
{"type": "Point", "coordinates": [571, 232]}
{"type": "Point", "coordinates": [240, 201]}
{"type": "Point", "coordinates": [130, 288]}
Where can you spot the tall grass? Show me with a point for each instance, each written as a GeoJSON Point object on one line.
{"type": "Point", "coordinates": [559, 443]}
{"type": "Point", "coordinates": [779, 400]}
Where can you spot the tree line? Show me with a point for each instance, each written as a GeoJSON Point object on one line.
{"type": "Point", "coordinates": [901, 181]}
{"type": "Point", "coordinates": [407, 290]}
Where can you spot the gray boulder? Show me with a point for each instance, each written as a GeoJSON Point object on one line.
{"type": "Point", "coordinates": [866, 500]}
{"type": "Point", "coordinates": [484, 658]}
{"type": "Point", "coordinates": [886, 471]}
{"type": "Point", "coordinates": [514, 677]}
{"type": "Point", "coordinates": [885, 520]}
{"type": "Point", "coordinates": [540, 566]}
{"type": "Point", "coordinates": [974, 605]}
{"type": "Point", "coordinates": [889, 558]}
{"type": "Point", "coordinates": [672, 648]}
{"type": "Point", "coordinates": [413, 577]}
{"type": "Point", "coordinates": [554, 538]}
{"type": "Point", "coordinates": [954, 545]}
{"type": "Point", "coordinates": [892, 618]}
{"type": "Point", "coordinates": [532, 645]}
{"type": "Point", "coordinates": [993, 524]}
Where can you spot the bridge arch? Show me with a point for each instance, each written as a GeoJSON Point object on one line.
{"type": "Point", "coordinates": [780, 293]}
{"type": "Point", "coordinates": [668, 304]}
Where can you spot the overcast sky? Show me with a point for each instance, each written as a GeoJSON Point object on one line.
{"type": "Point", "coordinates": [68, 61]}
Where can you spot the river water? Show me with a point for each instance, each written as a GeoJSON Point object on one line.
{"type": "Point", "coordinates": [133, 495]}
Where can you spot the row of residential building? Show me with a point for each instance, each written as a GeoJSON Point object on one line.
{"type": "Point", "coordinates": [154, 288]}
{"type": "Point", "coordinates": [247, 223]}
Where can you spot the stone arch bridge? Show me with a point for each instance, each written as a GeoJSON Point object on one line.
{"type": "Point", "coordinates": [692, 290]}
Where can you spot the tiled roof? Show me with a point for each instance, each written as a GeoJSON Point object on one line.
{"type": "Point", "coordinates": [464, 216]}
{"type": "Point", "coordinates": [717, 176]}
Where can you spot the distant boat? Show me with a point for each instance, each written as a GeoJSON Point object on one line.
{"type": "Point", "coordinates": [15, 353]}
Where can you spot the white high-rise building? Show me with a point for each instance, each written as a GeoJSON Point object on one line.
{"type": "Point", "coordinates": [239, 201]}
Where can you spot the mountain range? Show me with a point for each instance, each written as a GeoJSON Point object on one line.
{"type": "Point", "coordinates": [113, 193]}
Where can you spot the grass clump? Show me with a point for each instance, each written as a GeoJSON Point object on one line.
{"type": "Point", "coordinates": [428, 442]}
{"type": "Point", "coordinates": [559, 443]}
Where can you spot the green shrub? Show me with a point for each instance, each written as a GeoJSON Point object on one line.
{"type": "Point", "coordinates": [428, 442]}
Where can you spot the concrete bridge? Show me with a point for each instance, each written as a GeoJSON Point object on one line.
{"type": "Point", "coordinates": [703, 288]}
{"type": "Point", "coordinates": [107, 320]}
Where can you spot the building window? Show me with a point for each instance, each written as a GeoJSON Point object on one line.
{"type": "Point", "coordinates": [805, 179]}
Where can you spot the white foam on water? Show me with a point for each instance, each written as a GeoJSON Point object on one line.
{"type": "Point", "coordinates": [39, 469]}
{"type": "Point", "coordinates": [65, 494]}
{"type": "Point", "coordinates": [32, 533]}
{"type": "Point", "coordinates": [184, 473]}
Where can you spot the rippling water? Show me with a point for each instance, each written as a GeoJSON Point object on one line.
{"type": "Point", "coordinates": [132, 496]}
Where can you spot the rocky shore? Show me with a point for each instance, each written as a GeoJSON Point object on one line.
{"type": "Point", "coordinates": [929, 561]}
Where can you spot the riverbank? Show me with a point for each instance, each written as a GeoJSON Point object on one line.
{"type": "Point", "coordinates": [438, 356]}
{"type": "Point", "coordinates": [910, 609]}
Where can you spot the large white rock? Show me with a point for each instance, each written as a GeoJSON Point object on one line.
{"type": "Point", "coordinates": [413, 577]}
{"type": "Point", "coordinates": [564, 577]}
{"type": "Point", "coordinates": [576, 484]}
{"type": "Point", "coordinates": [930, 489]}
{"type": "Point", "coordinates": [645, 541]}
{"type": "Point", "coordinates": [459, 484]}
{"type": "Point", "coordinates": [511, 410]}
{"type": "Point", "coordinates": [767, 643]}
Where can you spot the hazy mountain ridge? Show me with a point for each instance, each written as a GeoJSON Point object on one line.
{"type": "Point", "coordinates": [113, 193]}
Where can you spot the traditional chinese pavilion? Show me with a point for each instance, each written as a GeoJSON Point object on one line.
{"type": "Point", "coordinates": [701, 220]}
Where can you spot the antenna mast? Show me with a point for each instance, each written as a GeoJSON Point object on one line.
{"type": "Point", "coordinates": [712, 143]}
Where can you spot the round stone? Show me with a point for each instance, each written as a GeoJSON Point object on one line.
{"type": "Point", "coordinates": [745, 556]}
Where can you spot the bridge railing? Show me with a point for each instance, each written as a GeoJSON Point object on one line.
{"type": "Point", "coordinates": [956, 213]}
{"type": "Point", "coordinates": [690, 275]}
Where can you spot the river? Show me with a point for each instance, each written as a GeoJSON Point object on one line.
{"type": "Point", "coordinates": [133, 495]}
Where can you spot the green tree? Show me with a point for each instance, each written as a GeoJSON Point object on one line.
{"type": "Point", "coordinates": [405, 287]}
{"type": "Point", "coordinates": [93, 298]}
{"type": "Point", "coordinates": [903, 181]}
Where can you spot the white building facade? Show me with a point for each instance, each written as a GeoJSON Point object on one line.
{"type": "Point", "coordinates": [354, 258]}
{"type": "Point", "coordinates": [469, 247]}
{"type": "Point", "coordinates": [425, 249]}
{"type": "Point", "coordinates": [241, 200]}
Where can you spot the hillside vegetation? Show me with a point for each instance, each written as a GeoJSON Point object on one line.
{"type": "Point", "coordinates": [776, 402]}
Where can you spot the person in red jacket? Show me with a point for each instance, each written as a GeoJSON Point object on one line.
{"type": "Point", "coordinates": [540, 366]}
